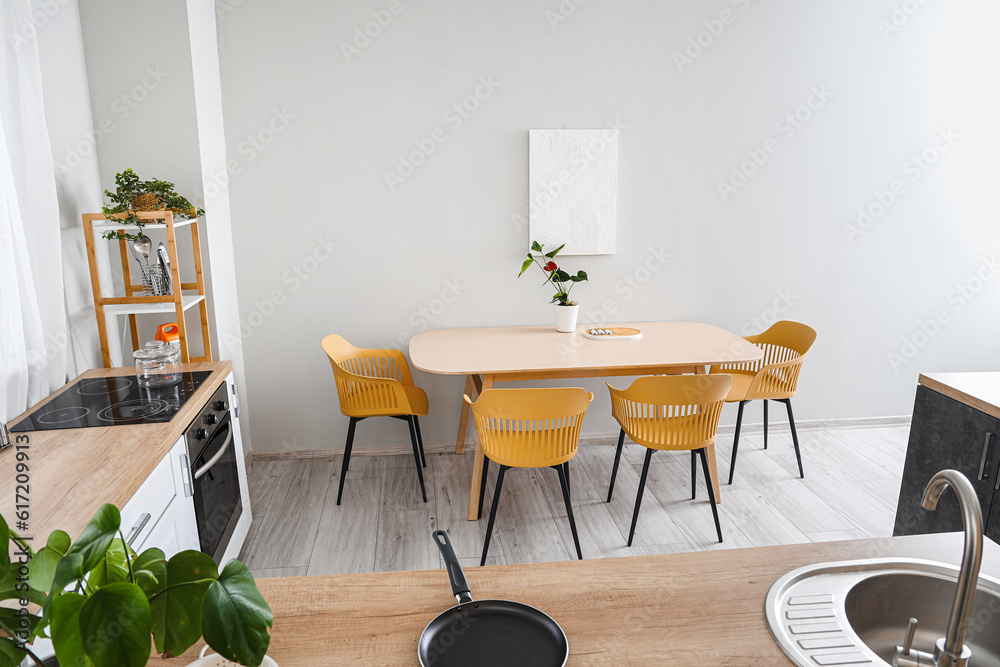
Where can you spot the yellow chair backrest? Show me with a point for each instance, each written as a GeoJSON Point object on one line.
{"type": "Point", "coordinates": [784, 345]}
{"type": "Point", "coordinates": [530, 428]}
{"type": "Point", "coordinates": [677, 412]}
{"type": "Point", "coordinates": [369, 382]}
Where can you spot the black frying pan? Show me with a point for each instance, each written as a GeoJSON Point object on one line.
{"type": "Point", "coordinates": [488, 633]}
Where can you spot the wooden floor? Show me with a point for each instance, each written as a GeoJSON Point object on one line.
{"type": "Point", "coordinates": [850, 491]}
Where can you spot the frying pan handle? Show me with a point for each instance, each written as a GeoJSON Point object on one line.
{"type": "Point", "coordinates": [459, 586]}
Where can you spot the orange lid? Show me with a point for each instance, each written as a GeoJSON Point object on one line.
{"type": "Point", "coordinates": [168, 332]}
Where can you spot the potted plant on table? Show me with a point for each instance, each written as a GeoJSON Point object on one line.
{"type": "Point", "coordinates": [99, 602]}
{"type": "Point", "coordinates": [133, 195]}
{"type": "Point", "coordinates": [566, 310]}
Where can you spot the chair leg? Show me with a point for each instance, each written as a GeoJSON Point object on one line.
{"type": "Point", "coordinates": [482, 486]}
{"type": "Point", "coordinates": [638, 496]}
{"type": "Point", "coordinates": [795, 436]}
{"type": "Point", "coordinates": [736, 441]}
{"type": "Point", "coordinates": [765, 423]}
{"type": "Point", "coordinates": [694, 474]}
{"type": "Point", "coordinates": [416, 456]}
{"type": "Point", "coordinates": [711, 494]}
{"type": "Point", "coordinates": [493, 514]}
{"type": "Point", "coordinates": [347, 456]}
{"type": "Point", "coordinates": [614, 469]}
{"type": "Point", "coordinates": [563, 471]}
{"type": "Point", "coordinates": [420, 440]}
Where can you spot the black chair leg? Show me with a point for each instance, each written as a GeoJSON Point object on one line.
{"type": "Point", "coordinates": [416, 456]}
{"type": "Point", "coordinates": [765, 423]}
{"type": "Point", "coordinates": [493, 514]}
{"type": "Point", "coordinates": [694, 474]}
{"type": "Point", "coordinates": [795, 436]}
{"type": "Point", "coordinates": [347, 456]}
{"type": "Point", "coordinates": [711, 494]}
{"type": "Point", "coordinates": [482, 486]}
{"type": "Point", "coordinates": [736, 441]}
{"type": "Point", "coordinates": [563, 471]}
{"type": "Point", "coordinates": [614, 469]}
{"type": "Point", "coordinates": [420, 440]}
{"type": "Point", "coordinates": [638, 496]}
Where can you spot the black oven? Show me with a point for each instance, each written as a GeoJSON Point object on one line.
{"type": "Point", "coordinates": [217, 501]}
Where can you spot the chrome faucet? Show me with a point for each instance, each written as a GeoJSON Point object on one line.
{"type": "Point", "coordinates": [950, 650]}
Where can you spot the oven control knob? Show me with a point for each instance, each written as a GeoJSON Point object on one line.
{"type": "Point", "coordinates": [221, 406]}
{"type": "Point", "coordinates": [201, 434]}
{"type": "Point", "coordinates": [210, 419]}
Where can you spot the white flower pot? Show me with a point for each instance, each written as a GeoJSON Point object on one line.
{"type": "Point", "coordinates": [566, 317]}
{"type": "Point", "coordinates": [218, 661]}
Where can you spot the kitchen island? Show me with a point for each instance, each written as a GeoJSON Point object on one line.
{"type": "Point", "coordinates": [701, 608]}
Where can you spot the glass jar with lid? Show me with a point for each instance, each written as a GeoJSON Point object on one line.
{"type": "Point", "coordinates": [157, 364]}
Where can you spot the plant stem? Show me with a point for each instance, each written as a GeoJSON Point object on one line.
{"type": "Point", "coordinates": [128, 562]}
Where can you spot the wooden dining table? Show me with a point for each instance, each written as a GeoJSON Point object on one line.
{"type": "Point", "coordinates": [489, 355]}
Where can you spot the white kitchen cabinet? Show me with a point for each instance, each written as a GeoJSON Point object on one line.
{"type": "Point", "coordinates": [161, 512]}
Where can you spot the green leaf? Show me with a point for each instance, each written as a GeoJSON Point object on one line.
{"type": "Point", "coordinates": [4, 539]}
{"type": "Point", "coordinates": [90, 548]}
{"type": "Point", "coordinates": [10, 620]}
{"type": "Point", "coordinates": [149, 568]}
{"type": "Point", "coordinates": [536, 246]}
{"type": "Point", "coordinates": [10, 655]}
{"type": "Point", "coordinates": [524, 266]}
{"type": "Point", "coordinates": [235, 617]}
{"type": "Point", "coordinates": [65, 629]}
{"type": "Point", "coordinates": [560, 276]}
{"type": "Point", "coordinates": [555, 252]}
{"type": "Point", "coordinates": [112, 568]}
{"type": "Point", "coordinates": [580, 276]}
{"type": "Point", "coordinates": [42, 568]}
{"type": "Point", "coordinates": [59, 540]}
{"type": "Point", "coordinates": [115, 625]}
{"type": "Point", "coordinates": [176, 604]}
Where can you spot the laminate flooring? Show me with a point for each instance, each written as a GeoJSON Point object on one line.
{"type": "Point", "coordinates": [849, 492]}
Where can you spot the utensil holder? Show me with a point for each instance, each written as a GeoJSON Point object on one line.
{"type": "Point", "coordinates": [157, 281]}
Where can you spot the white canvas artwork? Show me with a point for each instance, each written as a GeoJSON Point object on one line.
{"type": "Point", "coordinates": [573, 189]}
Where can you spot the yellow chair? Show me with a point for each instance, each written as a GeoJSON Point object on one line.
{"type": "Point", "coordinates": [529, 428]}
{"type": "Point", "coordinates": [674, 413]}
{"type": "Point", "coordinates": [376, 383]}
{"type": "Point", "coordinates": [775, 377]}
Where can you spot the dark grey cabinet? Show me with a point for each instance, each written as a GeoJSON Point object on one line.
{"type": "Point", "coordinates": [945, 433]}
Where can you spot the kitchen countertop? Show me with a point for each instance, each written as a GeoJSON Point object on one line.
{"type": "Point", "coordinates": [701, 608]}
{"type": "Point", "coordinates": [977, 390]}
{"type": "Point", "coordinates": [75, 471]}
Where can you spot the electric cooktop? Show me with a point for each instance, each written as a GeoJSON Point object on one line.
{"type": "Point", "coordinates": [112, 401]}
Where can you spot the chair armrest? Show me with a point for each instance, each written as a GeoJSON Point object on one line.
{"type": "Point", "coordinates": [768, 380]}
{"type": "Point", "coordinates": [365, 392]}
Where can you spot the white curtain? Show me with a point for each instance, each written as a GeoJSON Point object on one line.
{"type": "Point", "coordinates": [33, 338]}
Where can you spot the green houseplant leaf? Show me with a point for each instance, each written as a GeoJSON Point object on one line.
{"type": "Point", "coordinates": [90, 548]}
{"type": "Point", "coordinates": [235, 618]}
{"type": "Point", "coordinates": [553, 253]}
{"type": "Point", "coordinates": [115, 626]}
{"type": "Point", "coordinates": [536, 246]}
{"type": "Point", "coordinates": [149, 568]}
{"type": "Point", "coordinates": [10, 655]}
{"type": "Point", "coordinates": [5, 552]}
{"type": "Point", "coordinates": [65, 629]}
{"type": "Point", "coordinates": [112, 568]}
{"type": "Point", "coordinates": [176, 603]}
{"type": "Point", "coordinates": [524, 266]}
{"type": "Point", "coordinates": [42, 568]}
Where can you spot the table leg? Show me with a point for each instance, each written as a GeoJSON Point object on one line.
{"type": "Point", "coordinates": [463, 421]}
{"type": "Point", "coordinates": [477, 464]}
{"type": "Point", "coordinates": [713, 471]}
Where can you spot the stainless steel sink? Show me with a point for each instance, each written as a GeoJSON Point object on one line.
{"type": "Point", "coordinates": [856, 612]}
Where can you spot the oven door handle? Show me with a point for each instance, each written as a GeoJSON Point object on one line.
{"type": "Point", "coordinates": [218, 455]}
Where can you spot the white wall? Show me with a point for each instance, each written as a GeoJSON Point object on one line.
{"type": "Point", "coordinates": [311, 136]}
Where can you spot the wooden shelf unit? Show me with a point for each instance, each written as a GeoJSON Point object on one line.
{"type": "Point", "coordinates": [134, 303]}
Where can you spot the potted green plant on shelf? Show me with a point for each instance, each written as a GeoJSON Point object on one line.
{"type": "Point", "coordinates": [566, 310]}
{"type": "Point", "coordinates": [132, 195]}
{"type": "Point", "coordinates": [99, 602]}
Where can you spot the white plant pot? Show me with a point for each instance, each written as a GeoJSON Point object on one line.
{"type": "Point", "coordinates": [215, 660]}
{"type": "Point", "coordinates": [566, 317]}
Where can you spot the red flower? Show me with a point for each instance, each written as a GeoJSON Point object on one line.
{"type": "Point", "coordinates": [551, 266]}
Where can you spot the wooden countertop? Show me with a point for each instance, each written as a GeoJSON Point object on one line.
{"type": "Point", "coordinates": [75, 471]}
{"type": "Point", "coordinates": [977, 390]}
{"type": "Point", "coordinates": [705, 606]}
